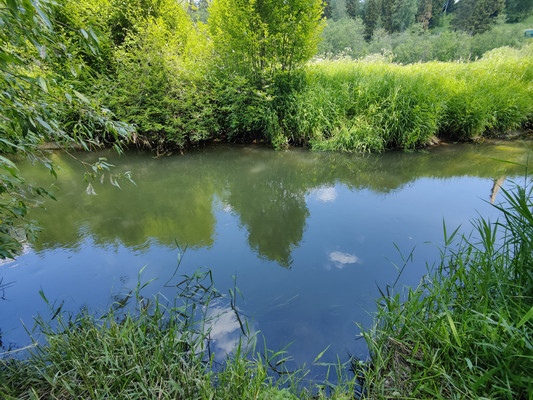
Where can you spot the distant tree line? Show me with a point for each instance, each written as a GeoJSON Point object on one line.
{"type": "Point", "coordinates": [472, 16]}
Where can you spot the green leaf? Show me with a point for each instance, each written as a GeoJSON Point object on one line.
{"type": "Point", "coordinates": [42, 83]}
{"type": "Point", "coordinates": [321, 354]}
{"type": "Point", "coordinates": [525, 318]}
{"type": "Point", "coordinates": [12, 5]}
{"type": "Point", "coordinates": [82, 97]}
{"type": "Point", "coordinates": [452, 326]}
{"type": "Point", "coordinates": [94, 35]}
{"type": "Point", "coordinates": [44, 124]}
{"type": "Point", "coordinates": [7, 162]}
{"type": "Point", "coordinates": [42, 14]}
{"type": "Point", "coordinates": [8, 58]}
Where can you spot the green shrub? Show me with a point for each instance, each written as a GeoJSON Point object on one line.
{"type": "Point", "coordinates": [357, 135]}
{"type": "Point", "coordinates": [244, 112]}
{"type": "Point", "coordinates": [160, 89]}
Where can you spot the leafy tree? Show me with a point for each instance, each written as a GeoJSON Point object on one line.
{"type": "Point", "coordinates": [404, 13]}
{"type": "Point", "coordinates": [425, 12]}
{"type": "Point", "coordinates": [437, 11]}
{"type": "Point", "coordinates": [354, 8]}
{"type": "Point", "coordinates": [345, 36]}
{"type": "Point", "coordinates": [198, 10]}
{"type": "Point", "coordinates": [38, 103]}
{"type": "Point", "coordinates": [258, 37]}
{"type": "Point", "coordinates": [160, 87]}
{"type": "Point", "coordinates": [327, 9]}
{"type": "Point", "coordinates": [387, 9]}
{"type": "Point", "coordinates": [339, 9]}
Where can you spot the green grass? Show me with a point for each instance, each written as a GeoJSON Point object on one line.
{"type": "Point", "coordinates": [466, 331]}
{"type": "Point", "coordinates": [373, 104]}
{"type": "Point", "coordinates": [156, 351]}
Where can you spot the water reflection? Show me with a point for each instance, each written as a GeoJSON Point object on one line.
{"type": "Point", "coordinates": [498, 183]}
{"type": "Point", "coordinates": [174, 198]}
{"type": "Point", "coordinates": [225, 331]}
{"type": "Point", "coordinates": [325, 194]}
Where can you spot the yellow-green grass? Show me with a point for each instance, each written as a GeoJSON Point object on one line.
{"type": "Point", "coordinates": [372, 104]}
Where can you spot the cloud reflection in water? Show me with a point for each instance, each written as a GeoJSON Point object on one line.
{"type": "Point", "coordinates": [225, 330]}
{"type": "Point", "coordinates": [340, 260]}
{"type": "Point", "coordinates": [325, 194]}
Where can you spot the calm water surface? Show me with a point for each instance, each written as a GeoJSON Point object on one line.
{"type": "Point", "coordinates": [309, 236]}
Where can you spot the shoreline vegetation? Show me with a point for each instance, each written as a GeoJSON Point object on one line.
{"type": "Point", "coordinates": [366, 105]}
{"type": "Point", "coordinates": [167, 75]}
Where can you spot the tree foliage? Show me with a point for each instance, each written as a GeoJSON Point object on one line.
{"type": "Point", "coordinates": [258, 37]}
{"type": "Point", "coordinates": [518, 10]}
{"type": "Point", "coordinates": [37, 92]}
{"type": "Point", "coordinates": [371, 18]}
{"type": "Point", "coordinates": [404, 13]}
{"type": "Point", "coordinates": [477, 16]}
{"type": "Point", "coordinates": [160, 87]}
{"type": "Point", "coordinates": [327, 10]}
{"type": "Point", "coordinates": [353, 8]}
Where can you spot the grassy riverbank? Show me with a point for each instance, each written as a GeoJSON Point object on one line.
{"type": "Point", "coordinates": [183, 84]}
{"type": "Point", "coordinates": [158, 351]}
{"type": "Point", "coordinates": [464, 332]}
{"type": "Point", "coordinates": [372, 105]}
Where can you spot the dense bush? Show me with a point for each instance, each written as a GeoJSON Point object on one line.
{"type": "Point", "coordinates": [160, 90]}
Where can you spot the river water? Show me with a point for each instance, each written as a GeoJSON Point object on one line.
{"type": "Point", "coordinates": [309, 237]}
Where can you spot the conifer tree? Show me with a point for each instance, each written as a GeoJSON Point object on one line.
{"type": "Point", "coordinates": [437, 11]}
{"type": "Point", "coordinates": [425, 12]}
{"type": "Point", "coordinates": [387, 7]}
{"type": "Point", "coordinates": [352, 8]}
{"type": "Point", "coordinates": [370, 18]}
{"type": "Point", "coordinates": [403, 14]}
{"type": "Point", "coordinates": [518, 10]}
{"type": "Point", "coordinates": [477, 16]}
